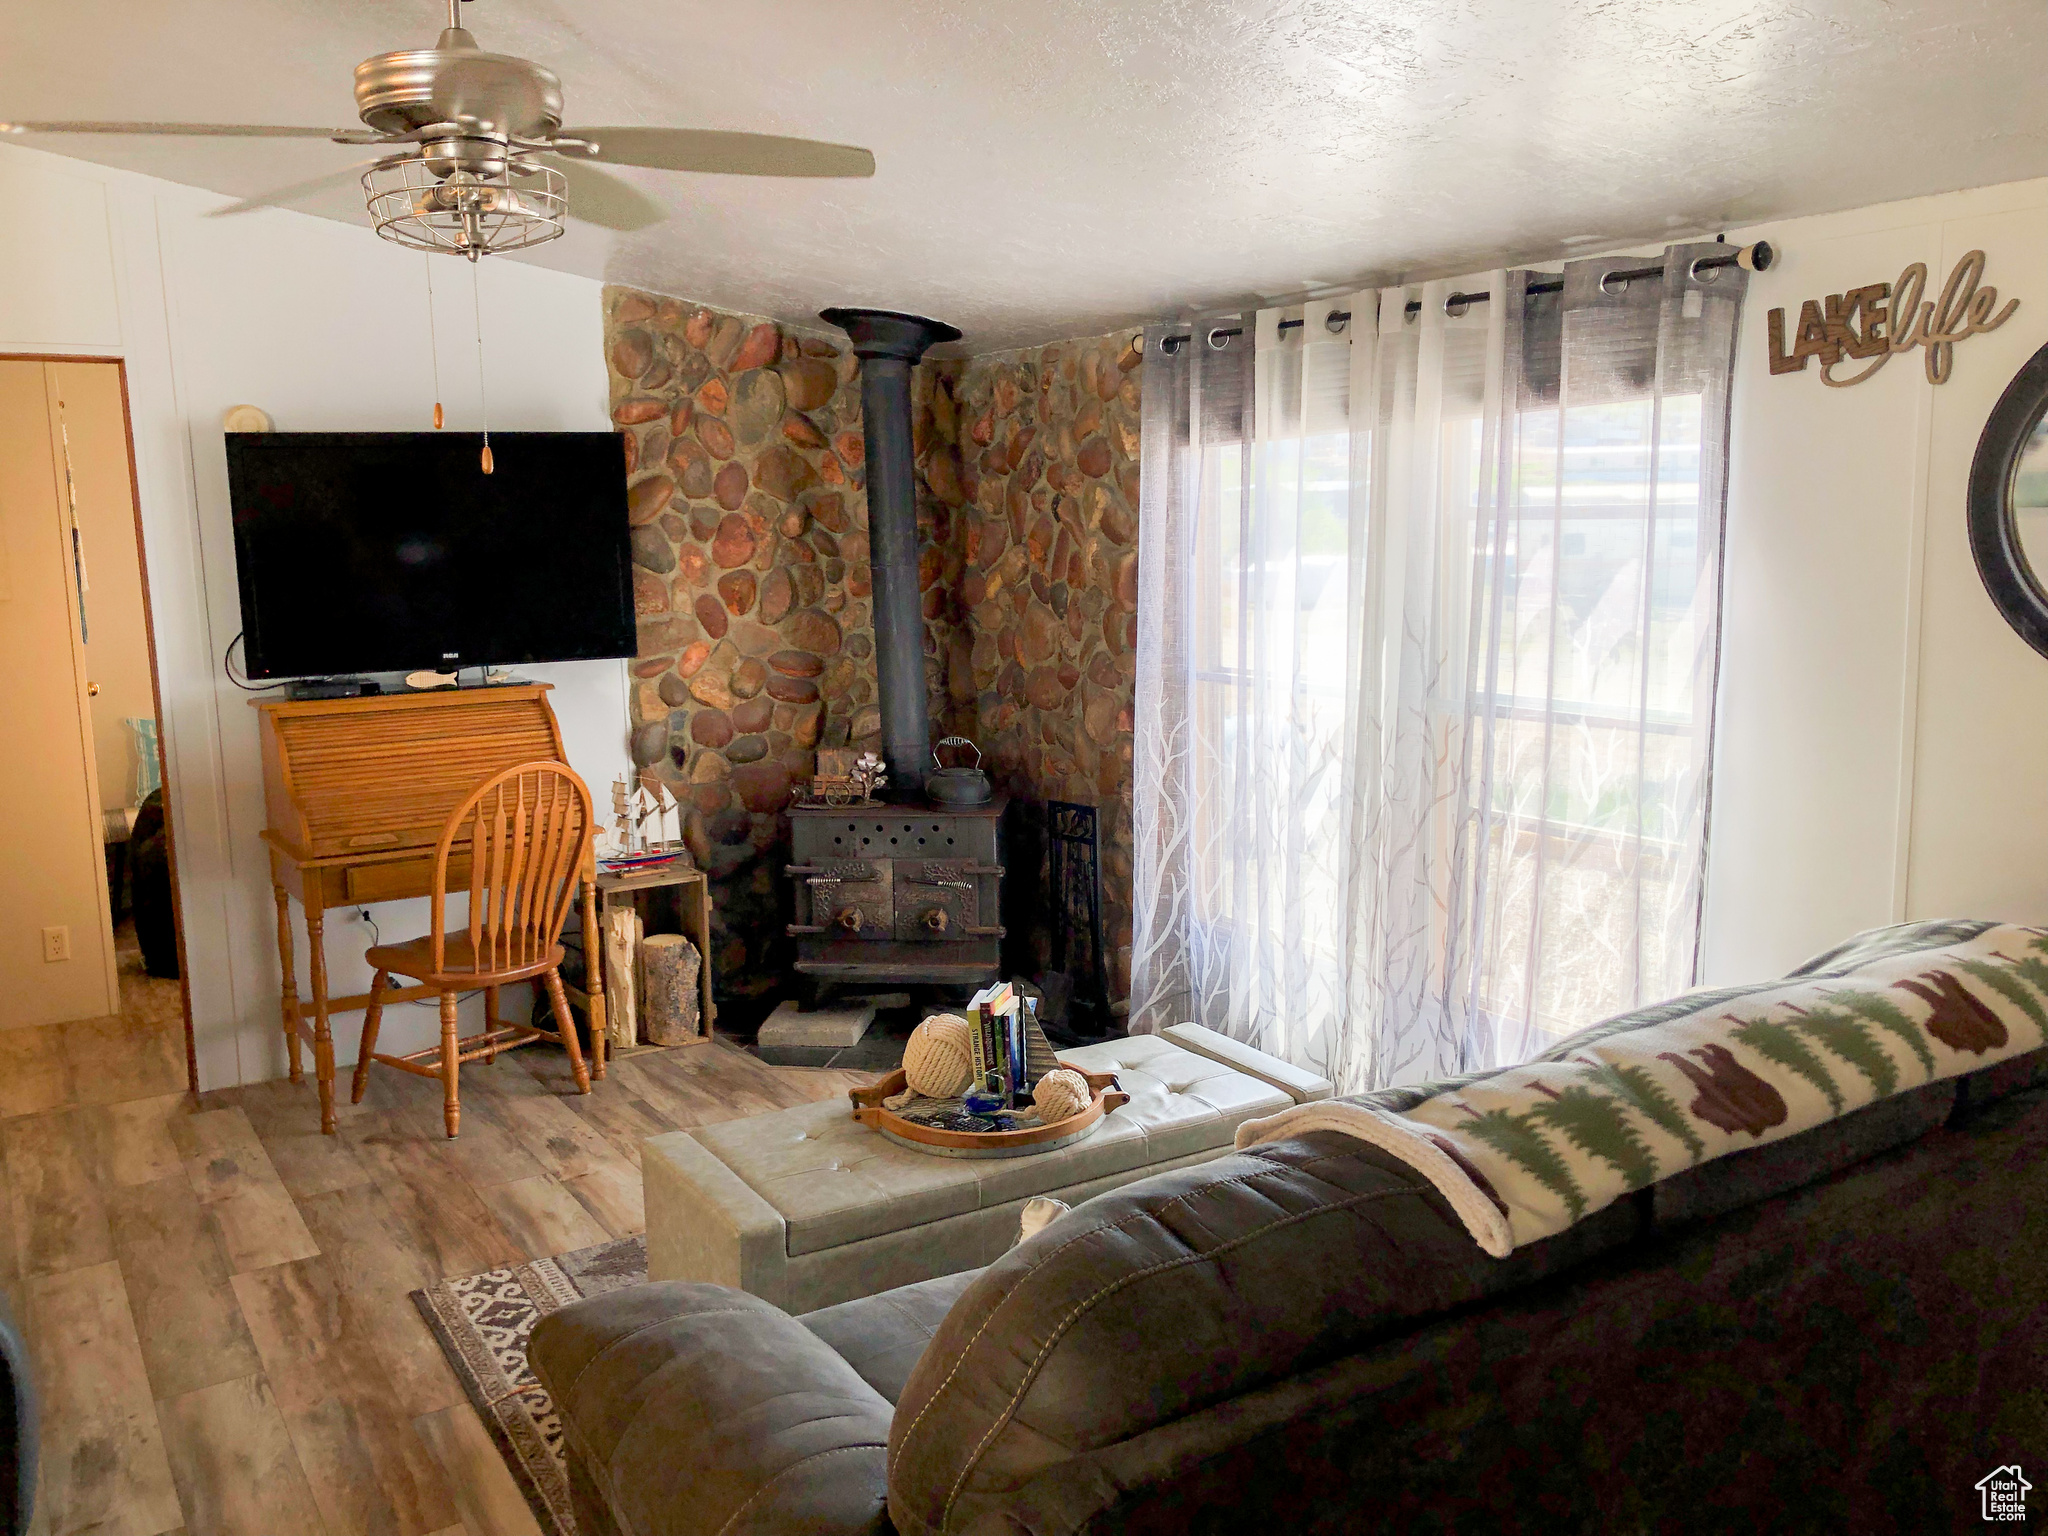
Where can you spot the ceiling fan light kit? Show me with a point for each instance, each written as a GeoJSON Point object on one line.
{"type": "Point", "coordinates": [477, 160]}
{"type": "Point", "coordinates": [465, 213]}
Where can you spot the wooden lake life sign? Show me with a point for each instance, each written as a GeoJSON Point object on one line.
{"type": "Point", "coordinates": [1875, 323]}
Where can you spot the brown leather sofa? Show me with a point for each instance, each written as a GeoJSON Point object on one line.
{"type": "Point", "coordinates": [1841, 1331]}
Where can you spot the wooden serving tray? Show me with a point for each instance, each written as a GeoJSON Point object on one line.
{"type": "Point", "coordinates": [868, 1109]}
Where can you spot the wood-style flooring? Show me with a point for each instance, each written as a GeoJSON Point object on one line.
{"type": "Point", "coordinates": [215, 1296]}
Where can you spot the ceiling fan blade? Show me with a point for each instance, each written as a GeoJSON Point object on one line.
{"type": "Point", "coordinates": [493, 92]}
{"type": "Point", "coordinates": [279, 196]}
{"type": "Point", "coordinates": [732, 154]}
{"type": "Point", "coordinates": [195, 130]}
{"type": "Point", "coordinates": [600, 198]}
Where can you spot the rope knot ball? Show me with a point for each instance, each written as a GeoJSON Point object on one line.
{"type": "Point", "coordinates": [1060, 1095]}
{"type": "Point", "coordinates": [938, 1060]}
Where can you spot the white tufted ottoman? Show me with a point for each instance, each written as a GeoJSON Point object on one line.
{"type": "Point", "coordinates": [807, 1207]}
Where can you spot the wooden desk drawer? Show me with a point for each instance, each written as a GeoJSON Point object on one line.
{"type": "Point", "coordinates": [402, 878]}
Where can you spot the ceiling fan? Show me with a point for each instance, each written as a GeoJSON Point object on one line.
{"type": "Point", "coordinates": [478, 159]}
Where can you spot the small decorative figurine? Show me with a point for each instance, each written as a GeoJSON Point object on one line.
{"type": "Point", "coordinates": [622, 815]}
{"type": "Point", "coordinates": [986, 1097]}
{"type": "Point", "coordinates": [869, 775]}
{"type": "Point", "coordinates": [646, 820]}
{"type": "Point", "coordinates": [842, 778]}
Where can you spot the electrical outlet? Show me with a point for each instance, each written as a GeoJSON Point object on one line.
{"type": "Point", "coordinates": [56, 943]}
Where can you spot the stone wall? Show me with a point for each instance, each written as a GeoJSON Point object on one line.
{"type": "Point", "coordinates": [746, 490]}
{"type": "Point", "coordinates": [752, 585]}
{"type": "Point", "coordinates": [1048, 586]}
{"type": "Point", "coordinates": [942, 521]}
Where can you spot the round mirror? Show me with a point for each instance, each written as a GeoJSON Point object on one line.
{"type": "Point", "coordinates": [2030, 499]}
{"type": "Point", "coordinates": [2009, 503]}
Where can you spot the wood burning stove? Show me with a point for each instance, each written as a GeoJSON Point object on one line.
{"type": "Point", "coordinates": [909, 891]}
{"type": "Point", "coordinates": [897, 893]}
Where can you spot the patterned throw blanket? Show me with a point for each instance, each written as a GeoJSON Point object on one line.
{"type": "Point", "coordinates": [1524, 1153]}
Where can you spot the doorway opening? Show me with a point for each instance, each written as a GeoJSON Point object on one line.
{"type": "Point", "coordinates": [91, 942]}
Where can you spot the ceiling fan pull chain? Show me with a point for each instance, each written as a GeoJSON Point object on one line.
{"type": "Point", "coordinates": [476, 306]}
{"type": "Point", "coordinates": [433, 341]}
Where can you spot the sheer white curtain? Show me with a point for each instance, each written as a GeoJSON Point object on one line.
{"type": "Point", "coordinates": [1428, 604]}
{"type": "Point", "coordinates": [1598, 628]}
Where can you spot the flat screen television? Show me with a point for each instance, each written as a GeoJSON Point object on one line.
{"type": "Point", "coordinates": [391, 551]}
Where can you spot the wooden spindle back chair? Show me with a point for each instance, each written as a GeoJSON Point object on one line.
{"type": "Point", "coordinates": [527, 832]}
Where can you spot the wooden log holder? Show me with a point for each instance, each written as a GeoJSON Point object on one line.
{"type": "Point", "coordinates": [670, 898]}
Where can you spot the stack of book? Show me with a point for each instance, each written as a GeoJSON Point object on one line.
{"type": "Point", "coordinates": [1008, 1043]}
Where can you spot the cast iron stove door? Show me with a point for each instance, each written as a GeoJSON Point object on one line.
{"type": "Point", "coordinates": [848, 899]}
{"type": "Point", "coordinates": [936, 900]}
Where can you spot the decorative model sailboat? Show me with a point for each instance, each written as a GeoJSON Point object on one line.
{"type": "Point", "coordinates": [647, 826]}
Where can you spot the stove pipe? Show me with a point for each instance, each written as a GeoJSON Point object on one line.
{"type": "Point", "coordinates": [888, 346]}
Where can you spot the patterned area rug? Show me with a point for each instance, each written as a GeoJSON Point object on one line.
{"type": "Point", "coordinates": [482, 1323]}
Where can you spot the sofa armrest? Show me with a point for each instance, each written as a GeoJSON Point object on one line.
{"type": "Point", "coordinates": [691, 1409]}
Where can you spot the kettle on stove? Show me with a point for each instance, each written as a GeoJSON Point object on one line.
{"type": "Point", "coordinates": [957, 786]}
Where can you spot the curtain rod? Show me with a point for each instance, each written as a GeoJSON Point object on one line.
{"type": "Point", "coordinates": [1751, 258]}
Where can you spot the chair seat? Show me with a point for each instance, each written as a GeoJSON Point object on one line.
{"type": "Point", "coordinates": [415, 958]}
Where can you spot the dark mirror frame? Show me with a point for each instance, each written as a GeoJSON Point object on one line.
{"type": "Point", "coordinates": [1994, 539]}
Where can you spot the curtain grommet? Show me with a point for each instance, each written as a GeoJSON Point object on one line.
{"type": "Point", "coordinates": [1335, 321]}
{"type": "Point", "coordinates": [1703, 276]}
{"type": "Point", "coordinates": [1608, 285]}
{"type": "Point", "coordinates": [1216, 345]}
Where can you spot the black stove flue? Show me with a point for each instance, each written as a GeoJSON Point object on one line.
{"type": "Point", "coordinates": [908, 891]}
{"type": "Point", "coordinates": [889, 345]}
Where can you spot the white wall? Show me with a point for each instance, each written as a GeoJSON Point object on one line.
{"type": "Point", "coordinates": [1883, 748]}
{"type": "Point", "coordinates": [325, 327]}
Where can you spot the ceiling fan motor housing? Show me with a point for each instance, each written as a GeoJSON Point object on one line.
{"type": "Point", "coordinates": [502, 95]}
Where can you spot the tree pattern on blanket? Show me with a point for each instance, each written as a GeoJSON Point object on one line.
{"type": "Point", "coordinates": [1604, 1114]}
{"type": "Point", "coordinates": [1958, 1021]}
{"type": "Point", "coordinates": [1731, 1096]}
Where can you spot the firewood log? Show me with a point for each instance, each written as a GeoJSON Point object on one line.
{"type": "Point", "coordinates": [669, 1002]}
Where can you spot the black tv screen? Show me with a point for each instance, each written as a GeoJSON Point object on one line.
{"type": "Point", "coordinates": [391, 551]}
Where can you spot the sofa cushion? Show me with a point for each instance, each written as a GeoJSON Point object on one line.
{"type": "Point", "coordinates": [2002, 1078]}
{"type": "Point", "coordinates": [1849, 1356]}
{"type": "Point", "coordinates": [697, 1410]}
{"type": "Point", "coordinates": [1744, 1178]}
{"type": "Point", "coordinates": [1525, 1152]}
{"type": "Point", "coordinates": [1179, 1292]}
{"type": "Point", "coordinates": [882, 1336]}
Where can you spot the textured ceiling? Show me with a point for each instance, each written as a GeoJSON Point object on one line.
{"type": "Point", "coordinates": [1059, 167]}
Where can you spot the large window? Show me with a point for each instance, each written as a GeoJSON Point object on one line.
{"type": "Point", "coordinates": [1429, 609]}
{"type": "Point", "coordinates": [1590, 682]}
